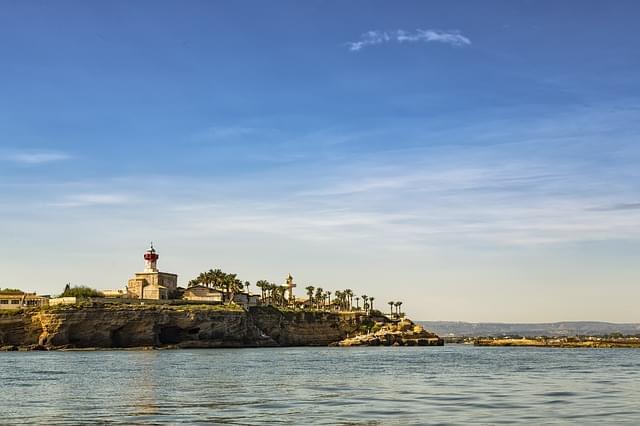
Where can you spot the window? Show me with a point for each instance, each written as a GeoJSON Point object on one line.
{"type": "Point", "coordinates": [4, 302]}
{"type": "Point", "coordinates": [15, 302]}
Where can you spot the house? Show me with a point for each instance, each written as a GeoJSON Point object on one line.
{"type": "Point", "coordinates": [246, 299]}
{"type": "Point", "coordinates": [15, 299]}
{"type": "Point", "coordinates": [303, 303]}
{"type": "Point", "coordinates": [204, 294]}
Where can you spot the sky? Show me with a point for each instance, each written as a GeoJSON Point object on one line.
{"type": "Point", "coordinates": [479, 161]}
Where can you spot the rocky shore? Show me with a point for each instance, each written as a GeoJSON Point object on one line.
{"type": "Point", "coordinates": [562, 342]}
{"type": "Point", "coordinates": [403, 333]}
{"type": "Point", "coordinates": [104, 326]}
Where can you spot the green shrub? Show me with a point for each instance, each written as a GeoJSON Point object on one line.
{"type": "Point", "coordinates": [80, 292]}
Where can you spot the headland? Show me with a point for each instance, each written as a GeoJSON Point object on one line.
{"type": "Point", "coordinates": [107, 325]}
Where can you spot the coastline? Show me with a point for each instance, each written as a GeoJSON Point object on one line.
{"type": "Point", "coordinates": [148, 327]}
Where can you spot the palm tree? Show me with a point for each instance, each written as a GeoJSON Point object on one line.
{"type": "Point", "coordinates": [357, 303]}
{"type": "Point", "coordinates": [364, 302]}
{"type": "Point", "coordinates": [349, 294]}
{"type": "Point", "coordinates": [371, 299]}
{"type": "Point", "coordinates": [391, 307]}
{"type": "Point", "coordinates": [340, 299]}
{"type": "Point", "coordinates": [281, 290]}
{"type": "Point", "coordinates": [246, 286]}
{"type": "Point", "coordinates": [232, 286]}
{"type": "Point", "coordinates": [399, 306]}
{"type": "Point", "coordinates": [318, 297]}
{"type": "Point", "coordinates": [310, 290]}
{"type": "Point", "coordinates": [262, 285]}
{"type": "Point", "coordinates": [329, 297]}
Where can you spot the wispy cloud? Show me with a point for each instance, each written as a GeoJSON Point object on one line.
{"type": "Point", "coordinates": [36, 157]}
{"type": "Point", "coordinates": [618, 207]}
{"type": "Point", "coordinates": [92, 199]}
{"type": "Point", "coordinates": [375, 37]}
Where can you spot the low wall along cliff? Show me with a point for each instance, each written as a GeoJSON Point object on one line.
{"type": "Point", "coordinates": [120, 326]}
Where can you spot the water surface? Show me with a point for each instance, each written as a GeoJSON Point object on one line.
{"type": "Point", "coordinates": [401, 385]}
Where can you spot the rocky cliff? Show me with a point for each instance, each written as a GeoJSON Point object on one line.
{"type": "Point", "coordinates": [401, 333]}
{"type": "Point", "coordinates": [122, 326]}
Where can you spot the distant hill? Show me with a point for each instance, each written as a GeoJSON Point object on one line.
{"type": "Point", "coordinates": [567, 328]}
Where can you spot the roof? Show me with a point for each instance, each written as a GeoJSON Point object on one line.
{"type": "Point", "coordinates": [205, 287]}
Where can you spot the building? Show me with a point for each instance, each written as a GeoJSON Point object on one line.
{"type": "Point", "coordinates": [114, 293]}
{"type": "Point", "coordinates": [16, 299]}
{"type": "Point", "coordinates": [203, 294]}
{"type": "Point", "coordinates": [246, 299]}
{"type": "Point", "coordinates": [152, 284]}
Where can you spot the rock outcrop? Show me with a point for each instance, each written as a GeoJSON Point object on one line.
{"type": "Point", "coordinates": [403, 333]}
{"type": "Point", "coordinates": [124, 326]}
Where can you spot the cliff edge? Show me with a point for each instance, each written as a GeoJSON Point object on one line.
{"type": "Point", "coordinates": [185, 326]}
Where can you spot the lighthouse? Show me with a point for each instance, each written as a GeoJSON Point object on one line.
{"type": "Point", "coordinates": [152, 284]}
{"type": "Point", "coordinates": [151, 260]}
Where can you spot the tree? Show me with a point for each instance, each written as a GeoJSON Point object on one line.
{"type": "Point", "coordinates": [391, 307]}
{"type": "Point", "coordinates": [364, 302]}
{"type": "Point", "coordinates": [399, 306]}
{"type": "Point", "coordinates": [215, 278]}
{"type": "Point", "coordinates": [318, 297]}
{"type": "Point", "coordinates": [80, 292]}
{"type": "Point", "coordinates": [232, 286]}
{"type": "Point", "coordinates": [329, 297]}
{"type": "Point", "coordinates": [349, 293]}
{"type": "Point", "coordinates": [371, 299]}
{"type": "Point", "coordinates": [357, 303]}
{"type": "Point", "coordinates": [339, 298]}
{"type": "Point", "coordinates": [263, 285]}
{"type": "Point", "coordinates": [310, 290]}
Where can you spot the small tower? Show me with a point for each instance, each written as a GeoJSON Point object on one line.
{"type": "Point", "coordinates": [151, 260]}
{"type": "Point", "coordinates": [290, 286]}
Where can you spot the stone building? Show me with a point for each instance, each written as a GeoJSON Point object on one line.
{"type": "Point", "coordinates": [203, 294]}
{"type": "Point", "coordinates": [152, 284]}
{"type": "Point", "coordinates": [246, 299]}
{"type": "Point", "coordinates": [16, 299]}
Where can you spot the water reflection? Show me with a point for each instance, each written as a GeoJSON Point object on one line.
{"type": "Point", "coordinates": [455, 384]}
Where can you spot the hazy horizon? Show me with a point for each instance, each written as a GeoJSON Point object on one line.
{"type": "Point", "coordinates": [477, 161]}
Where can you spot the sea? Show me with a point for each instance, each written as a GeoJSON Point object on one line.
{"type": "Point", "coordinates": [454, 384]}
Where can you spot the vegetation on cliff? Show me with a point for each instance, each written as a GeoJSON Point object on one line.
{"type": "Point", "coordinates": [80, 292]}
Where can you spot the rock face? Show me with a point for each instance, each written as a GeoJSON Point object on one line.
{"type": "Point", "coordinates": [403, 333]}
{"type": "Point", "coordinates": [122, 326]}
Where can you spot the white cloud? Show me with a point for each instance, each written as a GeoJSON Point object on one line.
{"type": "Point", "coordinates": [374, 37]}
{"type": "Point", "coordinates": [36, 157]}
{"type": "Point", "coordinates": [92, 199]}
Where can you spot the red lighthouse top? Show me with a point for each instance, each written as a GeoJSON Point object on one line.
{"type": "Point", "coordinates": [150, 255]}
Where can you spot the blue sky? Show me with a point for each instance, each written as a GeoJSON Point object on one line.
{"type": "Point", "coordinates": [479, 160]}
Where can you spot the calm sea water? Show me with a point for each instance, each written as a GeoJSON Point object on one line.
{"type": "Point", "coordinates": [412, 385]}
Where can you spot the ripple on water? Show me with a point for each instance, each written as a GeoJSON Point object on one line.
{"type": "Point", "coordinates": [456, 384]}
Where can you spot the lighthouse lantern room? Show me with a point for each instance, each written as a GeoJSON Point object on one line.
{"type": "Point", "coordinates": [151, 260]}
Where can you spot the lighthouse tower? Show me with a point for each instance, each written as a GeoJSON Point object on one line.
{"type": "Point", "coordinates": [152, 284]}
{"type": "Point", "coordinates": [151, 260]}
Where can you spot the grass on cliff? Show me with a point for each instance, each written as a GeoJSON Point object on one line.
{"type": "Point", "coordinates": [115, 307]}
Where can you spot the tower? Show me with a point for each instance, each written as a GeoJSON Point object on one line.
{"type": "Point", "coordinates": [151, 260]}
{"type": "Point", "coordinates": [152, 284]}
{"type": "Point", "coordinates": [290, 286]}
